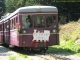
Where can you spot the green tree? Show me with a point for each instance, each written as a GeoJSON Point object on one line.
{"type": "Point", "coordinates": [68, 11]}
{"type": "Point", "coordinates": [2, 7]}
{"type": "Point", "coordinates": [11, 5]}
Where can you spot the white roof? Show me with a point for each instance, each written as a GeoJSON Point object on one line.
{"type": "Point", "coordinates": [34, 9]}
{"type": "Point", "coordinates": [2, 17]}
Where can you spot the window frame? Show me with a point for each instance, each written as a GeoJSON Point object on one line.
{"type": "Point", "coordinates": [43, 20]}
{"type": "Point", "coordinates": [53, 22]}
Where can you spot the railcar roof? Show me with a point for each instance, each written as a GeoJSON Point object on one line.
{"type": "Point", "coordinates": [34, 9]}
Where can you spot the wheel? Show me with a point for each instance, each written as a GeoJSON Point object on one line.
{"type": "Point", "coordinates": [6, 45]}
{"type": "Point", "coordinates": [41, 50]}
{"type": "Point", "coordinates": [44, 50]}
{"type": "Point", "coordinates": [32, 50]}
{"type": "Point", "coordinates": [27, 49]}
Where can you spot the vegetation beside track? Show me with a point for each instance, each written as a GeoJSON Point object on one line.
{"type": "Point", "coordinates": [69, 39]}
{"type": "Point", "coordinates": [19, 56]}
{"type": "Point", "coordinates": [69, 42]}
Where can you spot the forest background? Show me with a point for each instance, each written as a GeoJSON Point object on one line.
{"type": "Point", "coordinates": [69, 10]}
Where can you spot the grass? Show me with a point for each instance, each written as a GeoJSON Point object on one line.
{"type": "Point", "coordinates": [12, 58]}
{"type": "Point", "coordinates": [19, 57]}
{"type": "Point", "coordinates": [69, 34]}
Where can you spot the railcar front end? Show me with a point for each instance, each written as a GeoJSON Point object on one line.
{"type": "Point", "coordinates": [42, 32]}
{"type": "Point", "coordinates": [39, 32]}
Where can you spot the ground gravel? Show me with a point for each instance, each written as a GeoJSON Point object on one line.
{"type": "Point", "coordinates": [5, 53]}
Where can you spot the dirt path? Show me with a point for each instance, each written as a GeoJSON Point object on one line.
{"type": "Point", "coordinates": [53, 57]}
{"type": "Point", "coordinates": [5, 53]}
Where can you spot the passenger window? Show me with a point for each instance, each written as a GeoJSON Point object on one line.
{"type": "Point", "coordinates": [14, 22]}
{"type": "Point", "coordinates": [11, 24]}
{"type": "Point", "coordinates": [0, 28]}
{"type": "Point", "coordinates": [39, 21]}
{"type": "Point", "coordinates": [51, 21]}
{"type": "Point", "coordinates": [7, 26]}
{"type": "Point", "coordinates": [26, 21]}
{"type": "Point", "coordinates": [16, 19]}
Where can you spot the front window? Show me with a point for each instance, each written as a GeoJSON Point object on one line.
{"type": "Point", "coordinates": [50, 21]}
{"type": "Point", "coordinates": [39, 21]}
{"type": "Point", "coordinates": [26, 21]}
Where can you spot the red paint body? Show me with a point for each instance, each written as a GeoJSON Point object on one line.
{"type": "Point", "coordinates": [16, 37]}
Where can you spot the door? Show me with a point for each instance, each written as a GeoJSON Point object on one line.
{"type": "Point", "coordinates": [7, 32]}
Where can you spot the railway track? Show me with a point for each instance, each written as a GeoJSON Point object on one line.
{"type": "Point", "coordinates": [45, 56]}
{"type": "Point", "coordinates": [36, 55]}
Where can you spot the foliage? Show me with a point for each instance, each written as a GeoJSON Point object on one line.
{"type": "Point", "coordinates": [19, 56]}
{"type": "Point", "coordinates": [12, 58]}
{"type": "Point", "coordinates": [11, 5]}
{"type": "Point", "coordinates": [68, 10]}
{"type": "Point", "coordinates": [69, 39]}
{"type": "Point", "coordinates": [69, 35]}
{"type": "Point", "coordinates": [70, 31]}
{"type": "Point", "coordinates": [76, 47]}
{"type": "Point", "coordinates": [2, 7]}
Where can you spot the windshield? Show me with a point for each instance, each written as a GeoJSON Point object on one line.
{"type": "Point", "coordinates": [27, 21]}
{"type": "Point", "coordinates": [41, 21]}
{"type": "Point", "coordinates": [50, 21]}
{"type": "Point", "coordinates": [38, 21]}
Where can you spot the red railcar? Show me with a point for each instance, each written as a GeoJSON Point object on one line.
{"type": "Point", "coordinates": [41, 33]}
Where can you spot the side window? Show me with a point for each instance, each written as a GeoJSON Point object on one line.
{"type": "Point", "coordinates": [11, 24]}
{"type": "Point", "coordinates": [39, 21]}
{"type": "Point", "coordinates": [0, 28]}
{"type": "Point", "coordinates": [26, 21]}
{"type": "Point", "coordinates": [16, 19]}
{"type": "Point", "coordinates": [5, 26]}
{"type": "Point", "coordinates": [14, 22]}
{"type": "Point", "coordinates": [50, 21]}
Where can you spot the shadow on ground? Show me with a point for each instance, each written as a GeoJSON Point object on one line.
{"type": "Point", "coordinates": [51, 50]}
{"type": "Point", "coordinates": [56, 50]}
{"type": "Point", "coordinates": [3, 50]}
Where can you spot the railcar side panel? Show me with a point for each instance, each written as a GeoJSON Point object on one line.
{"type": "Point", "coordinates": [26, 40]}
{"type": "Point", "coordinates": [6, 32]}
{"type": "Point", "coordinates": [14, 37]}
{"type": "Point", "coordinates": [0, 37]}
{"type": "Point", "coordinates": [42, 31]}
{"type": "Point", "coordinates": [20, 41]}
{"type": "Point", "coordinates": [1, 32]}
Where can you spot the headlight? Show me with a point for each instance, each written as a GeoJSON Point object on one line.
{"type": "Point", "coordinates": [54, 31]}
{"type": "Point", "coordinates": [24, 31]}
